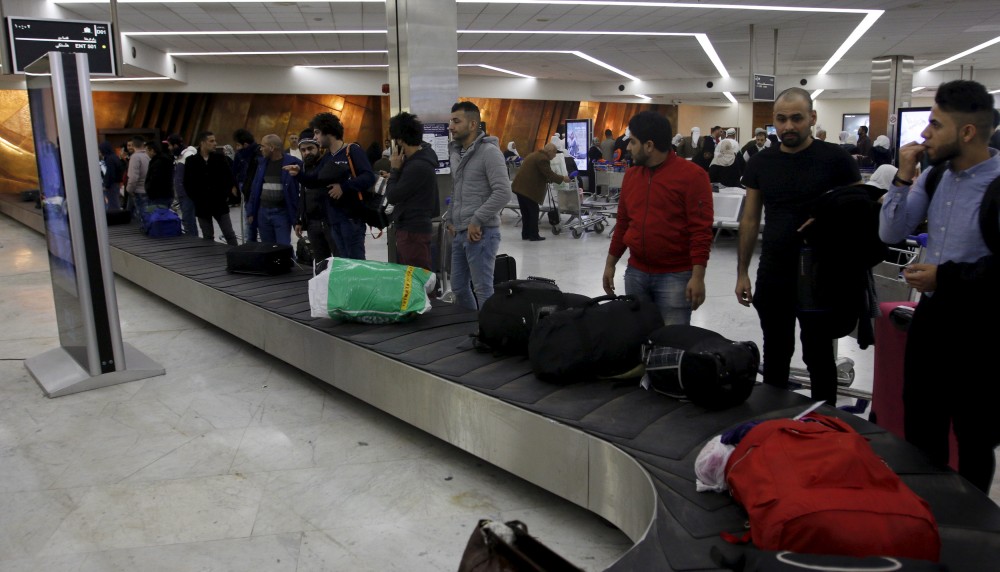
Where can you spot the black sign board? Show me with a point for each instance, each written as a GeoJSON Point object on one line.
{"type": "Point", "coordinates": [31, 39]}
{"type": "Point", "coordinates": [763, 88]}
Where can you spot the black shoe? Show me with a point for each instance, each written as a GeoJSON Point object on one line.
{"type": "Point", "coordinates": [537, 238]}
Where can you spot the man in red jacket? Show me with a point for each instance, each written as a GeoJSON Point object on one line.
{"type": "Point", "coordinates": [665, 220]}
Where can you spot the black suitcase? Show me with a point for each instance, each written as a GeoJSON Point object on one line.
{"type": "Point", "coordinates": [259, 258]}
{"type": "Point", "coordinates": [119, 216]}
{"type": "Point", "coordinates": [600, 339]}
{"type": "Point", "coordinates": [505, 269]}
{"type": "Point", "coordinates": [30, 195]}
{"type": "Point", "coordinates": [688, 362]}
{"type": "Point", "coordinates": [507, 318]}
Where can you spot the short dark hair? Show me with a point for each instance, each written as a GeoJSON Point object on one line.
{"type": "Point", "coordinates": [716, 128]}
{"type": "Point", "coordinates": [138, 141]}
{"type": "Point", "coordinates": [608, 133]}
{"type": "Point", "coordinates": [175, 139]}
{"type": "Point", "coordinates": [651, 126]}
{"type": "Point", "coordinates": [471, 110]}
{"type": "Point", "coordinates": [969, 99]}
{"type": "Point", "coordinates": [796, 92]}
{"type": "Point", "coordinates": [156, 146]}
{"type": "Point", "coordinates": [328, 124]}
{"type": "Point", "coordinates": [863, 128]}
{"type": "Point", "coordinates": [407, 127]}
{"type": "Point", "coordinates": [203, 136]}
{"type": "Point", "coordinates": [243, 137]}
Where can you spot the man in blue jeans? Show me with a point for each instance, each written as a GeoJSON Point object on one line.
{"type": "Point", "coordinates": [481, 189]}
{"type": "Point", "coordinates": [665, 222]}
{"type": "Point", "coordinates": [274, 193]}
{"type": "Point", "coordinates": [181, 153]}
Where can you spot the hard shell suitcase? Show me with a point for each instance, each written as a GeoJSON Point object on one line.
{"type": "Point", "coordinates": [259, 258]}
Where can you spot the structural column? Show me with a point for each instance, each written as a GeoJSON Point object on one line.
{"type": "Point", "coordinates": [892, 84]}
{"type": "Point", "coordinates": [423, 57]}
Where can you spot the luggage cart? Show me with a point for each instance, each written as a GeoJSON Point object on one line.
{"type": "Point", "coordinates": [581, 219]}
{"type": "Point", "coordinates": [890, 286]}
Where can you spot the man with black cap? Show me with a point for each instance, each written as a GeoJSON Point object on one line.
{"type": "Point", "coordinates": [313, 196]}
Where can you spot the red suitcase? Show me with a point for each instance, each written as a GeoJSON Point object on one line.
{"type": "Point", "coordinates": [887, 388]}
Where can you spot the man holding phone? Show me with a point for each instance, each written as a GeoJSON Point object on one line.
{"type": "Point", "coordinates": [412, 190]}
{"type": "Point", "coordinates": [949, 379]}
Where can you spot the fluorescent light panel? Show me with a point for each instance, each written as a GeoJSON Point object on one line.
{"type": "Point", "coordinates": [972, 50]}
{"type": "Point", "coordinates": [278, 53]}
{"type": "Point", "coordinates": [916, 89]}
{"type": "Point", "coordinates": [643, 97]}
{"type": "Point", "coordinates": [580, 55]}
{"type": "Point", "coordinates": [213, 1]}
{"type": "Point", "coordinates": [494, 68]}
{"type": "Point", "coordinates": [255, 33]}
{"type": "Point", "coordinates": [730, 97]}
{"type": "Point", "coordinates": [815, 94]}
{"type": "Point", "coordinates": [131, 78]}
{"type": "Point", "coordinates": [346, 66]}
{"type": "Point", "coordinates": [995, 91]}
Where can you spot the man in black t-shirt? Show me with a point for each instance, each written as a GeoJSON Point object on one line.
{"type": "Point", "coordinates": [785, 179]}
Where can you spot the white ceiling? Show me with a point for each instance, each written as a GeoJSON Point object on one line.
{"type": "Point", "coordinates": [929, 30]}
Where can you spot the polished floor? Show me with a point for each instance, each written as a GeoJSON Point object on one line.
{"type": "Point", "coordinates": [236, 461]}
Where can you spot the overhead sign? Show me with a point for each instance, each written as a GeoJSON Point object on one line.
{"type": "Point", "coordinates": [763, 88]}
{"type": "Point", "coordinates": [437, 135]}
{"type": "Point", "coordinates": [31, 39]}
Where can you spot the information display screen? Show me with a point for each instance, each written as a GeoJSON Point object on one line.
{"type": "Point", "coordinates": [578, 134]}
{"type": "Point", "coordinates": [55, 212]}
{"type": "Point", "coordinates": [911, 122]}
{"type": "Point", "coordinates": [31, 39]}
{"type": "Point", "coordinates": [852, 121]}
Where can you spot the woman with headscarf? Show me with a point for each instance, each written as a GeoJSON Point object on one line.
{"type": "Point", "coordinates": [511, 152]}
{"type": "Point", "coordinates": [845, 143]}
{"type": "Point", "coordinates": [880, 181]}
{"type": "Point", "coordinates": [723, 168]}
{"type": "Point", "coordinates": [880, 153]}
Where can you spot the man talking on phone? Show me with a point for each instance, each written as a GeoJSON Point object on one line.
{"type": "Point", "coordinates": [949, 379]}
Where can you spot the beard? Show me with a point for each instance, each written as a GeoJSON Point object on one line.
{"type": "Point", "coordinates": [792, 139]}
{"type": "Point", "coordinates": [310, 161]}
{"type": "Point", "coordinates": [944, 153]}
{"type": "Point", "coordinates": [640, 158]}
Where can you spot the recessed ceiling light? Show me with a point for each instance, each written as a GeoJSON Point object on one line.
{"type": "Point", "coordinates": [971, 50]}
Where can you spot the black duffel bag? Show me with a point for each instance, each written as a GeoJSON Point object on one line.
{"type": "Point", "coordinates": [507, 318]}
{"type": "Point", "coordinates": [259, 258]}
{"type": "Point", "coordinates": [601, 339]}
{"type": "Point", "coordinates": [688, 362]}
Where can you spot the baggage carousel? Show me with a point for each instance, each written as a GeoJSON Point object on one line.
{"type": "Point", "coordinates": [617, 450]}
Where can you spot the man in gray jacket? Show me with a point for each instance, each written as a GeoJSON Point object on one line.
{"type": "Point", "coordinates": [481, 188]}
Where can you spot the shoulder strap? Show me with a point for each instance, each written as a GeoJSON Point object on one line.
{"type": "Point", "coordinates": [933, 180]}
{"type": "Point", "coordinates": [989, 216]}
{"type": "Point", "coordinates": [350, 163]}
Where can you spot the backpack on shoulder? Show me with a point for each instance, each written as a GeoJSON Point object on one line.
{"type": "Point", "coordinates": [688, 362]}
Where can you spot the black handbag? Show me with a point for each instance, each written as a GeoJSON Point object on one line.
{"type": "Point", "coordinates": [507, 547]}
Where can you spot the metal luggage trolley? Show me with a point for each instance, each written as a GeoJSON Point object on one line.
{"type": "Point", "coordinates": [609, 176]}
{"type": "Point", "coordinates": [890, 286]}
{"type": "Point", "coordinates": [581, 219]}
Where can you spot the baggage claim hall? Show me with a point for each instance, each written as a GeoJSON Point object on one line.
{"type": "Point", "coordinates": [244, 433]}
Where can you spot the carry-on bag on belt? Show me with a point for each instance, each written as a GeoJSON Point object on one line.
{"type": "Point", "coordinates": [601, 339]}
{"type": "Point", "coordinates": [507, 318]}
{"type": "Point", "coordinates": [815, 486]}
{"type": "Point", "coordinates": [688, 362]}
{"type": "Point", "coordinates": [259, 258]}
{"type": "Point", "coordinates": [162, 223]}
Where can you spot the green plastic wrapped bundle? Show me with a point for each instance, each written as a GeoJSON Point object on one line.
{"type": "Point", "coordinates": [370, 292]}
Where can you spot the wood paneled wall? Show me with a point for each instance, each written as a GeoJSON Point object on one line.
{"type": "Point", "coordinates": [763, 114]}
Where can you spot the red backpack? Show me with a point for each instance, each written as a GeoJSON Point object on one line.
{"type": "Point", "coordinates": [815, 486]}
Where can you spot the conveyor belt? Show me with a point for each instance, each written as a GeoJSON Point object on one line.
{"type": "Point", "coordinates": [661, 434]}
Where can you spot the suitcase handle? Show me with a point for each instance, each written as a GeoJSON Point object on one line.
{"type": "Point", "coordinates": [612, 298]}
{"type": "Point", "coordinates": [540, 279]}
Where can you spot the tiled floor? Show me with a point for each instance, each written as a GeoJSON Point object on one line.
{"type": "Point", "coordinates": [236, 461]}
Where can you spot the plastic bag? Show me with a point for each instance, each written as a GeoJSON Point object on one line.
{"type": "Point", "coordinates": [710, 466]}
{"type": "Point", "coordinates": [370, 292]}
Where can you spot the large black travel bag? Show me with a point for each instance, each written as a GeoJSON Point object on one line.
{"type": "Point", "coordinates": [259, 258]}
{"type": "Point", "coordinates": [688, 362]}
{"type": "Point", "coordinates": [600, 339]}
{"type": "Point", "coordinates": [507, 318]}
{"type": "Point", "coordinates": [118, 216]}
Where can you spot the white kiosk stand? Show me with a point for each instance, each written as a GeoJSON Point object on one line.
{"type": "Point", "coordinates": [91, 353]}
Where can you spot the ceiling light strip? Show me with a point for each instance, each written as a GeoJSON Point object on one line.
{"type": "Point", "coordinates": [815, 94]}
{"type": "Point", "coordinates": [706, 45]}
{"type": "Point", "coordinates": [644, 97]}
{"type": "Point", "coordinates": [633, 4]}
{"type": "Point", "coordinates": [345, 66]}
{"type": "Point", "coordinates": [972, 50]}
{"type": "Point", "coordinates": [254, 33]}
{"type": "Point", "coordinates": [580, 55]}
{"type": "Point", "coordinates": [494, 68]}
{"type": "Point", "coordinates": [278, 53]}
{"type": "Point", "coordinates": [131, 79]}
{"type": "Point", "coordinates": [730, 97]}
{"type": "Point", "coordinates": [916, 89]}
{"type": "Point", "coordinates": [866, 23]}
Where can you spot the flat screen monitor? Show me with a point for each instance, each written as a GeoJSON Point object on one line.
{"type": "Point", "coordinates": [32, 38]}
{"type": "Point", "coordinates": [578, 134]}
{"type": "Point", "coordinates": [852, 121]}
{"type": "Point", "coordinates": [771, 129]}
{"type": "Point", "coordinates": [910, 123]}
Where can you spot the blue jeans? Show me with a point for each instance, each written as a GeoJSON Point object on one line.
{"type": "Point", "coordinates": [188, 218]}
{"type": "Point", "coordinates": [474, 261]}
{"type": "Point", "coordinates": [113, 200]}
{"type": "Point", "coordinates": [274, 225]}
{"type": "Point", "coordinates": [665, 290]}
{"type": "Point", "coordinates": [348, 234]}
{"type": "Point", "coordinates": [139, 204]}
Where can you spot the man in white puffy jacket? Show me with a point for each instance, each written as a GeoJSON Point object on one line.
{"type": "Point", "coordinates": [481, 189]}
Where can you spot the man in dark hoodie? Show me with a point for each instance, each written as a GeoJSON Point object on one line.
{"type": "Point", "coordinates": [111, 176]}
{"type": "Point", "coordinates": [244, 169]}
{"type": "Point", "coordinates": [412, 190]}
{"type": "Point", "coordinates": [313, 196]}
{"type": "Point", "coordinates": [209, 182]}
{"type": "Point", "coordinates": [160, 177]}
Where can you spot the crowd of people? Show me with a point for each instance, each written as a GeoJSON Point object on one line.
{"type": "Point", "coordinates": [664, 222]}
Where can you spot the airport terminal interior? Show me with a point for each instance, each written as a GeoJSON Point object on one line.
{"type": "Point", "coordinates": [236, 459]}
